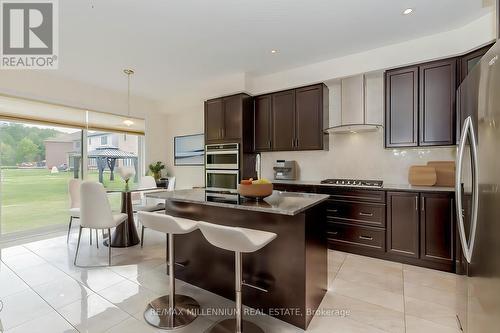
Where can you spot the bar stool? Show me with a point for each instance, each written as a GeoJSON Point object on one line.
{"type": "Point", "coordinates": [170, 311]}
{"type": "Point", "coordinates": [238, 240]}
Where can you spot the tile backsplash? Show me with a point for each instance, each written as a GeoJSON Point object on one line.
{"type": "Point", "coordinates": [360, 155]}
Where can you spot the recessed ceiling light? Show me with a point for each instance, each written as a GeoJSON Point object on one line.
{"type": "Point", "coordinates": [274, 51]}
{"type": "Point", "coordinates": [407, 11]}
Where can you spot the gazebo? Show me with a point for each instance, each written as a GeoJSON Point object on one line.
{"type": "Point", "coordinates": [106, 157]}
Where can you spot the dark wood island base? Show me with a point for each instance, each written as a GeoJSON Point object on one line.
{"type": "Point", "coordinates": [287, 279]}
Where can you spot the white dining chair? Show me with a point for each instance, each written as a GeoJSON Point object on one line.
{"type": "Point", "coordinates": [74, 207]}
{"type": "Point", "coordinates": [74, 202]}
{"type": "Point", "coordinates": [96, 213]}
{"type": "Point", "coordinates": [140, 202]}
{"type": "Point", "coordinates": [171, 183]}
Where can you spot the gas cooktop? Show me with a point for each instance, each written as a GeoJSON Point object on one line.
{"type": "Point", "coordinates": [353, 182]}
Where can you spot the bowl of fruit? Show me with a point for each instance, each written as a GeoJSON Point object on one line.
{"type": "Point", "coordinates": [255, 189]}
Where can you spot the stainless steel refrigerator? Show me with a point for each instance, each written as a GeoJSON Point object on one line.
{"type": "Point", "coordinates": [478, 197]}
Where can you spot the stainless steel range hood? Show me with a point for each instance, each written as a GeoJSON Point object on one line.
{"type": "Point", "coordinates": [353, 107]}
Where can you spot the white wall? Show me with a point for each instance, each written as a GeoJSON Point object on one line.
{"type": "Point", "coordinates": [46, 86]}
{"type": "Point", "coordinates": [184, 123]}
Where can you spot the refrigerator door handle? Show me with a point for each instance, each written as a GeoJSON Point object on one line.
{"type": "Point", "coordinates": [467, 131]}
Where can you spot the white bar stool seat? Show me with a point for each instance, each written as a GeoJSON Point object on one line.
{"type": "Point", "coordinates": [238, 240]}
{"type": "Point", "coordinates": [171, 311]}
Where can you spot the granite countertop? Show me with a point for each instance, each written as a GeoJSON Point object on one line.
{"type": "Point", "coordinates": [394, 187]}
{"type": "Point", "coordinates": [285, 203]}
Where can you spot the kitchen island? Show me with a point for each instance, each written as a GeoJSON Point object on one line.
{"type": "Point", "coordinates": [286, 279]}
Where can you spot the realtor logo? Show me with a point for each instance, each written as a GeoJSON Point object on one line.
{"type": "Point", "coordinates": [29, 34]}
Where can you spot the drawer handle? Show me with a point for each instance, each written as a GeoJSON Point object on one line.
{"type": "Point", "coordinates": [366, 214]}
{"type": "Point", "coordinates": [366, 238]}
{"type": "Point", "coordinates": [332, 210]}
{"type": "Point", "coordinates": [333, 232]}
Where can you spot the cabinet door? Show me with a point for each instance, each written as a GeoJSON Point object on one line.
{"type": "Point", "coordinates": [309, 117]}
{"type": "Point", "coordinates": [213, 120]}
{"type": "Point", "coordinates": [283, 120]}
{"type": "Point", "coordinates": [232, 118]}
{"type": "Point", "coordinates": [401, 107]}
{"type": "Point", "coordinates": [468, 61]}
{"type": "Point", "coordinates": [436, 228]}
{"type": "Point", "coordinates": [466, 64]}
{"type": "Point", "coordinates": [437, 103]}
{"type": "Point", "coordinates": [403, 224]}
{"type": "Point", "coordinates": [263, 123]}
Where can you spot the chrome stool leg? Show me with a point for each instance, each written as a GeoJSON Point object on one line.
{"type": "Point", "coordinates": [236, 325]}
{"type": "Point", "coordinates": [171, 311]}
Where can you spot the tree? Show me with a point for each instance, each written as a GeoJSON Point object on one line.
{"type": "Point", "coordinates": [27, 151]}
{"type": "Point", "coordinates": [7, 154]}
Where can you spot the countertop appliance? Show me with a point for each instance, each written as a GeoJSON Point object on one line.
{"type": "Point", "coordinates": [285, 170]}
{"type": "Point", "coordinates": [477, 195]}
{"type": "Point", "coordinates": [353, 182]}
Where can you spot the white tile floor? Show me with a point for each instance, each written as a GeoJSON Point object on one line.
{"type": "Point", "coordinates": [41, 291]}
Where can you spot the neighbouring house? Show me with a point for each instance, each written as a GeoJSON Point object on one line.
{"type": "Point", "coordinates": [60, 149]}
{"type": "Point", "coordinates": [64, 148]}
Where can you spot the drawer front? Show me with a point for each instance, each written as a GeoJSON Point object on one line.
{"type": "Point", "coordinates": [367, 237]}
{"type": "Point", "coordinates": [350, 194]}
{"type": "Point", "coordinates": [356, 212]}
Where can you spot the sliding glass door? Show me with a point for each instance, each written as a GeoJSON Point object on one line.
{"type": "Point", "coordinates": [36, 165]}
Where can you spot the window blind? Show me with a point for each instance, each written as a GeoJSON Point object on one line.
{"type": "Point", "coordinates": [32, 111]}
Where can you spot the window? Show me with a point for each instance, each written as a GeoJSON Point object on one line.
{"type": "Point", "coordinates": [104, 140]}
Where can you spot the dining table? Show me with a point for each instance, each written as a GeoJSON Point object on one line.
{"type": "Point", "coordinates": [125, 234]}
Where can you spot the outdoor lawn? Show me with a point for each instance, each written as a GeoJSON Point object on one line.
{"type": "Point", "coordinates": [35, 198]}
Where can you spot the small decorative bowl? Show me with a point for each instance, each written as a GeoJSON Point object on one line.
{"type": "Point", "coordinates": [255, 191]}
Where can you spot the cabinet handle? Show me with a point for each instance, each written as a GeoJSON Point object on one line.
{"type": "Point", "coordinates": [365, 214]}
{"type": "Point", "coordinates": [366, 238]}
{"type": "Point", "coordinates": [222, 133]}
{"type": "Point", "coordinates": [422, 199]}
{"type": "Point", "coordinates": [293, 143]}
{"type": "Point", "coordinates": [332, 210]}
{"type": "Point", "coordinates": [297, 143]}
{"type": "Point", "coordinates": [416, 203]}
{"type": "Point", "coordinates": [333, 233]}
{"type": "Point", "coordinates": [269, 144]}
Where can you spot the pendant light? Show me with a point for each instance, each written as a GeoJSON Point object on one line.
{"type": "Point", "coordinates": [129, 72]}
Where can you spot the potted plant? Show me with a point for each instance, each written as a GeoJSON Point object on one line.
{"type": "Point", "coordinates": [155, 169]}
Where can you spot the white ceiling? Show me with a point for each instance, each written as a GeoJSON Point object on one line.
{"type": "Point", "coordinates": [177, 44]}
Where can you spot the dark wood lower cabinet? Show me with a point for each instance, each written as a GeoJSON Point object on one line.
{"type": "Point", "coordinates": [402, 224]}
{"type": "Point", "coordinates": [436, 228]}
{"type": "Point", "coordinates": [411, 227]}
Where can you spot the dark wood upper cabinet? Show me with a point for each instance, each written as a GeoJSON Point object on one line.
{"type": "Point", "coordinates": [401, 107]}
{"type": "Point", "coordinates": [436, 228]}
{"type": "Point", "coordinates": [263, 123]}
{"type": "Point", "coordinates": [227, 119]}
{"type": "Point", "coordinates": [283, 120]}
{"type": "Point", "coordinates": [309, 117]}
{"type": "Point", "coordinates": [420, 108]}
{"type": "Point", "coordinates": [403, 224]}
{"type": "Point", "coordinates": [292, 119]}
{"type": "Point", "coordinates": [214, 118]}
{"type": "Point", "coordinates": [437, 103]}
{"type": "Point", "coordinates": [465, 64]}
{"type": "Point", "coordinates": [233, 118]}
{"type": "Point", "coordinates": [469, 60]}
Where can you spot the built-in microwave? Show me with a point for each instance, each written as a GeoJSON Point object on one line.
{"type": "Point", "coordinates": [222, 181]}
{"type": "Point", "coordinates": [222, 156]}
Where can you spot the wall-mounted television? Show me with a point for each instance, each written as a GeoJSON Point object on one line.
{"type": "Point", "coordinates": [189, 150]}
